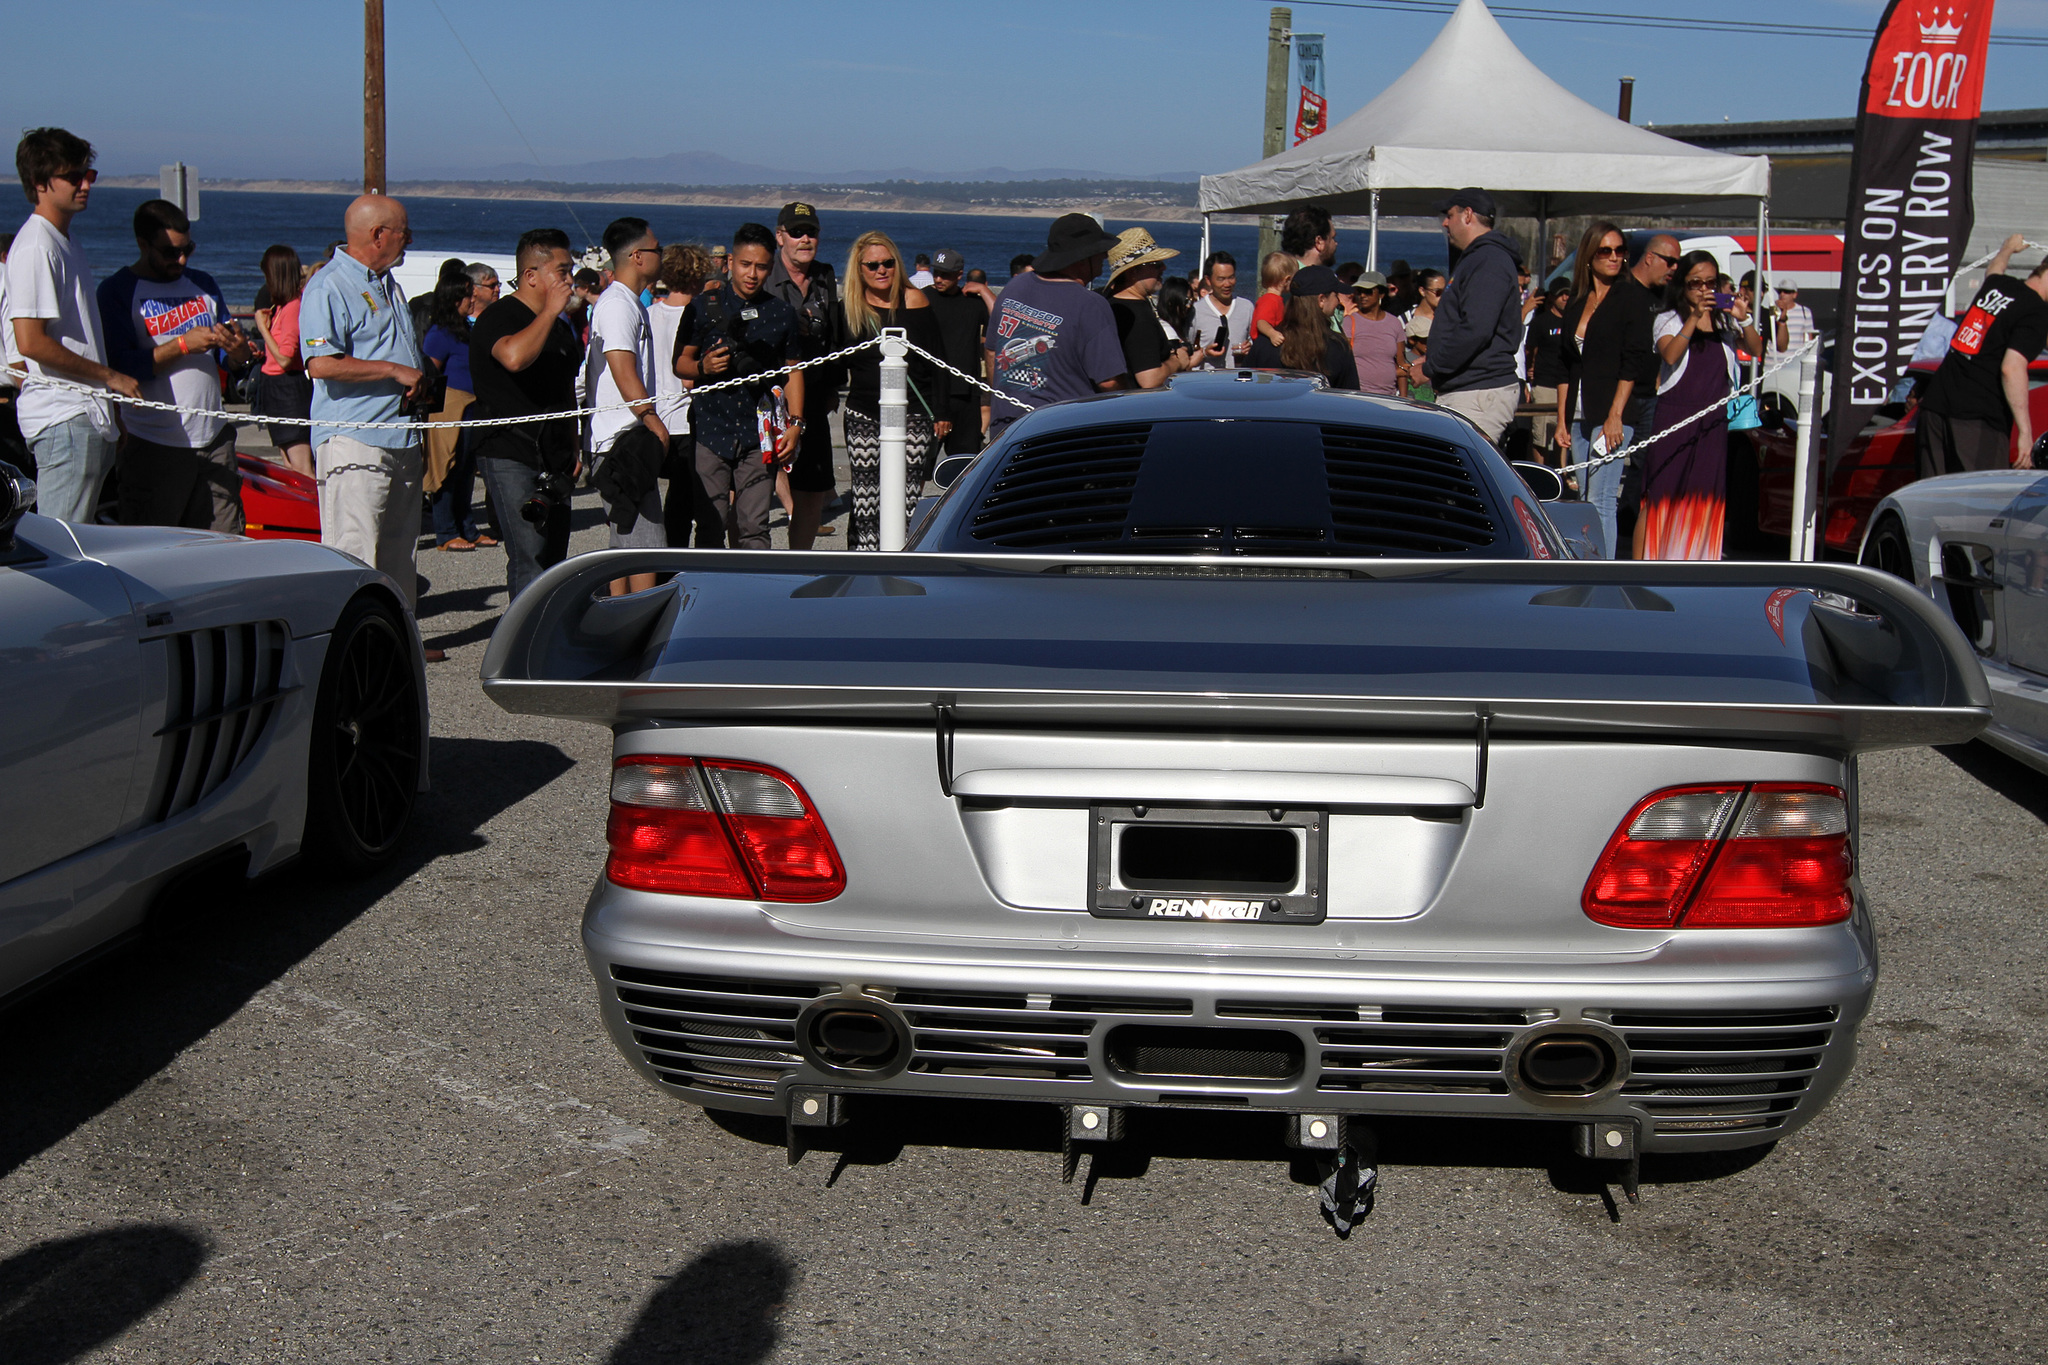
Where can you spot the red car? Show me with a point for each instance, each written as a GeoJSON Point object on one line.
{"type": "Point", "coordinates": [278, 502]}
{"type": "Point", "coordinates": [1880, 460]}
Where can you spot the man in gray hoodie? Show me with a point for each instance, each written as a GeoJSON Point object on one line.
{"type": "Point", "coordinates": [1478, 327]}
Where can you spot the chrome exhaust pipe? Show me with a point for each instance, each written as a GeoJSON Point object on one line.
{"type": "Point", "coordinates": [1567, 1065]}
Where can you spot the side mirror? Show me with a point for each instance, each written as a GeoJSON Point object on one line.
{"type": "Point", "coordinates": [17, 495]}
{"type": "Point", "coordinates": [1543, 482]}
{"type": "Point", "coordinates": [948, 471]}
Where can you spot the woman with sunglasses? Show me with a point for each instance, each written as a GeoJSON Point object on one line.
{"type": "Point", "coordinates": [875, 298]}
{"type": "Point", "coordinates": [1606, 353]}
{"type": "Point", "coordinates": [1685, 473]}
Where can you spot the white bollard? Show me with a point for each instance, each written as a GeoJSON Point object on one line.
{"type": "Point", "coordinates": [1805, 506]}
{"type": "Point", "coordinates": [895, 426]}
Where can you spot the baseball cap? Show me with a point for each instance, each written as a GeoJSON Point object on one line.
{"type": "Point", "coordinates": [1313, 280]}
{"type": "Point", "coordinates": [946, 261]}
{"type": "Point", "coordinates": [797, 215]}
{"type": "Point", "coordinates": [1371, 279]}
{"type": "Point", "coordinates": [1788, 285]}
{"type": "Point", "coordinates": [1472, 197]}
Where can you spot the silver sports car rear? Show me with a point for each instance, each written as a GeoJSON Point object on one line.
{"type": "Point", "coordinates": [1331, 838]}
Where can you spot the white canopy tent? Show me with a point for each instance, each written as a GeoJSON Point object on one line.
{"type": "Point", "coordinates": [1473, 110]}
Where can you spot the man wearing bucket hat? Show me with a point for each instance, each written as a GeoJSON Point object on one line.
{"type": "Point", "coordinates": [1052, 337]}
{"type": "Point", "coordinates": [1152, 353]}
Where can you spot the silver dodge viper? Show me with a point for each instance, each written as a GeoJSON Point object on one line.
{"type": "Point", "coordinates": [1241, 745]}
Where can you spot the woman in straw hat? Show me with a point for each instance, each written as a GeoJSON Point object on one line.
{"type": "Point", "coordinates": [874, 298]}
{"type": "Point", "coordinates": [1153, 352]}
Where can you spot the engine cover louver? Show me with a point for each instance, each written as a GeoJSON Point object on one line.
{"type": "Point", "coordinates": [1395, 494]}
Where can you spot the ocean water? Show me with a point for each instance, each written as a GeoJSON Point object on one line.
{"type": "Point", "coordinates": [235, 229]}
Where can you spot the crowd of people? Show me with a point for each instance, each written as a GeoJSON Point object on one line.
{"type": "Point", "coordinates": [716, 369]}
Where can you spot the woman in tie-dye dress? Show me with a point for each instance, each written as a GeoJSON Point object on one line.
{"type": "Point", "coordinates": [1685, 472]}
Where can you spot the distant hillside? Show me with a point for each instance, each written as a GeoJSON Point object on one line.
{"type": "Point", "coordinates": [695, 169]}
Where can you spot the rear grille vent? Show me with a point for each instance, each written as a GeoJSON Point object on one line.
{"type": "Point", "coordinates": [1700, 1071]}
{"type": "Point", "coordinates": [713, 1033]}
{"type": "Point", "coordinates": [221, 690]}
{"type": "Point", "coordinates": [986, 1033]}
{"type": "Point", "coordinates": [1063, 490]}
{"type": "Point", "coordinates": [1396, 494]}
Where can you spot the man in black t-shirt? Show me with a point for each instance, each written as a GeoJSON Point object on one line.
{"type": "Point", "coordinates": [523, 358]}
{"type": "Point", "coordinates": [741, 331]}
{"type": "Point", "coordinates": [962, 318]}
{"type": "Point", "coordinates": [1978, 398]}
{"type": "Point", "coordinates": [810, 288]}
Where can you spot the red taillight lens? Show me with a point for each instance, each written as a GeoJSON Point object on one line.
{"type": "Point", "coordinates": [758, 838]}
{"type": "Point", "coordinates": [784, 842]}
{"type": "Point", "coordinates": [1770, 854]}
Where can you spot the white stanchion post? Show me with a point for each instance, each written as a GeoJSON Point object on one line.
{"type": "Point", "coordinates": [895, 425]}
{"type": "Point", "coordinates": [1805, 508]}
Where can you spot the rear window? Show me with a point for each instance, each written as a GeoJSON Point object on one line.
{"type": "Point", "coordinates": [1238, 487]}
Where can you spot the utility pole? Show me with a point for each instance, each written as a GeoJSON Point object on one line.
{"type": "Point", "coordinates": [373, 96]}
{"type": "Point", "coordinates": [1279, 42]}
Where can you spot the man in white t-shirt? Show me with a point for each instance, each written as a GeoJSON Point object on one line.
{"type": "Point", "coordinates": [1219, 306]}
{"type": "Point", "coordinates": [1795, 319]}
{"type": "Point", "coordinates": [55, 323]}
{"type": "Point", "coordinates": [168, 326]}
{"type": "Point", "coordinates": [618, 373]}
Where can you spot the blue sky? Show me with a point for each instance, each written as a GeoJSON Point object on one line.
{"type": "Point", "coordinates": [273, 87]}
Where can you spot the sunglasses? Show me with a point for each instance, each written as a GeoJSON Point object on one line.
{"type": "Point", "coordinates": [1700, 284]}
{"type": "Point", "coordinates": [182, 253]}
{"type": "Point", "coordinates": [86, 177]}
{"type": "Point", "coordinates": [1615, 251]}
{"type": "Point", "coordinates": [878, 266]}
{"type": "Point", "coordinates": [801, 234]}
{"type": "Point", "coordinates": [1673, 261]}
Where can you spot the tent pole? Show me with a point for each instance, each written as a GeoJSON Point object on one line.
{"type": "Point", "coordinates": [1205, 243]}
{"type": "Point", "coordinates": [1540, 248]}
{"type": "Point", "coordinates": [1372, 236]}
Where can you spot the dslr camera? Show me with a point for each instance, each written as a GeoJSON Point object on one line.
{"type": "Point", "coordinates": [550, 491]}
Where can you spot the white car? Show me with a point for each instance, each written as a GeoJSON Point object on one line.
{"type": "Point", "coordinates": [1978, 545]}
{"type": "Point", "coordinates": [173, 702]}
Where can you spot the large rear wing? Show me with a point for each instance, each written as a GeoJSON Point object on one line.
{"type": "Point", "coordinates": [1818, 655]}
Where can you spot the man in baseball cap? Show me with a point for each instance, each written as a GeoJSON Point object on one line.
{"type": "Point", "coordinates": [808, 286]}
{"type": "Point", "coordinates": [961, 311]}
{"type": "Point", "coordinates": [1477, 333]}
{"type": "Point", "coordinates": [1052, 337]}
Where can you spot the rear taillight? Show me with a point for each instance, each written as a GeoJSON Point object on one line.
{"type": "Point", "coordinates": [717, 828]}
{"type": "Point", "coordinates": [1757, 855]}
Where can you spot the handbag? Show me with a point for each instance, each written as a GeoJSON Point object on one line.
{"type": "Point", "coordinates": [1743, 413]}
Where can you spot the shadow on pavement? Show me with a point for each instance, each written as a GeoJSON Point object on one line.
{"type": "Point", "coordinates": [720, 1309]}
{"type": "Point", "coordinates": [2007, 776]}
{"type": "Point", "coordinates": [60, 1299]}
{"type": "Point", "coordinates": [879, 1128]}
{"type": "Point", "coordinates": [86, 1041]}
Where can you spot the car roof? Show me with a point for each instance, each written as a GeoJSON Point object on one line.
{"type": "Point", "coordinates": [1262, 395]}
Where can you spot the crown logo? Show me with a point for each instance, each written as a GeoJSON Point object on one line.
{"type": "Point", "coordinates": [1935, 32]}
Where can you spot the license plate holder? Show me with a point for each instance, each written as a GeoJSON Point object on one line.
{"type": "Point", "coordinates": [1210, 865]}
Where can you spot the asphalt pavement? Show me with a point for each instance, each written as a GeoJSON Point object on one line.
{"type": "Point", "coordinates": [381, 1122]}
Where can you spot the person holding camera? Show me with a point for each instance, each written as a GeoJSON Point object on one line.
{"type": "Point", "coordinates": [809, 286]}
{"type": "Point", "coordinates": [742, 331]}
{"type": "Point", "coordinates": [524, 357]}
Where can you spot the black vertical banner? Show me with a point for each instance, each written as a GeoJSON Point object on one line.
{"type": "Point", "coordinates": [1909, 196]}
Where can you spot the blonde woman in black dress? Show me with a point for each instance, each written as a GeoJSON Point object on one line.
{"type": "Point", "coordinates": [875, 297]}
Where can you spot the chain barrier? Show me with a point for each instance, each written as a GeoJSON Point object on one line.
{"type": "Point", "coordinates": [1720, 405]}
{"type": "Point", "coordinates": [961, 374]}
{"type": "Point", "coordinates": [475, 425]}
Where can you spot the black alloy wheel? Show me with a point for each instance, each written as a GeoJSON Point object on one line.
{"type": "Point", "coordinates": [1889, 550]}
{"type": "Point", "coordinates": [363, 768]}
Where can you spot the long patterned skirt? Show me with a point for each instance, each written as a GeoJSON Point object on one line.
{"type": "Point", "coordinates": [1685, 473]}
{"type": "Point", "coordinates": [864, 453]}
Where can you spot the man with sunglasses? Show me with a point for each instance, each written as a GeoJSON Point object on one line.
{"type": "Point", "coordinates": [168, 326]}
{"type": "Point", "coordinates": [1652, 270]}
{"type": "Point", "coordinates": [811, 289]}
{"type": "Point", "coordinates": [55, 321]}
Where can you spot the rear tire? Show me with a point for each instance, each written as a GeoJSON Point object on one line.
{"type": "Point", "coordinates": [1889, 549]}
{"type": "Point", "coordinates": [363, 763]}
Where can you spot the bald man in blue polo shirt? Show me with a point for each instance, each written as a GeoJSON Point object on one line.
{"type": "Point", "coordinates": [357, 336]}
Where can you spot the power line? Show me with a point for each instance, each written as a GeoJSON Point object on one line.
{"type": "Point", "coordinates": [507, 112]}
{"type": "Point", "coordinates": [1611, 19]}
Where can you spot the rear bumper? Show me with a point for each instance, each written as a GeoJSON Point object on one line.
{"type": "Point", "coordinates": [711, 1014]}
